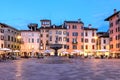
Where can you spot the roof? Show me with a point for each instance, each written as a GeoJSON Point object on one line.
{"type": "Point", "coordinates": [103, 34]}
{"type": "Point", "coordinates": [54, 27]}
{"type": "Point", "coordinates": [88, 28]}
{"type": "Point", "coordinates": [74, 22]}
{"type": "Point", "coordinates": [45, 20]}
{"type": "Point", "coordinates": [28, 31]}
{"type": "Point", "coordinates": [107, 19]}
{"type": "Point", "coordinates": [7, 26]}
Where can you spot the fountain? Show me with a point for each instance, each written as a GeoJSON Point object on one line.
{"type": "Point", "coordinates": [56, 46]}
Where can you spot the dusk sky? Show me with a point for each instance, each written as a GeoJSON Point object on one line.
{"type": "Point", "coordinates": [19, 13]}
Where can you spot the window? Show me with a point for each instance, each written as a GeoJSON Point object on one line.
{"type": "Point", "coordinates": [64, 32]}
{"type": "Point", "coordinates": [74, 40]}
{"type": "Point", "coordinates": [111, 46]}
{"type": "Point", "coordinates": [50, 32]}
{"type": "Point", "coordinates": [2, 37]}
{"type": "Point", "coordinates": [86, 40]}
{"type": "Point", "coordinates": [8, 30]}
{"type": "Point", "coordinates": [104, 47]}
{"type": "Point", "coordinates": [74, 34]}
{"type": "Point", "coordinates": [74, 27]}
{"type": "Point", "coordinates": [68, 26]}
{"type": "Point", "coordinates": [2, 45]}
{"type": "Point", "coordinates": [41, 35]}
{"type": "Point", "coordinates": [64, 39]}
{"type": "Point", "coordinates": [116, 37]}
{"type": "Point", "coordinates": [104, 41]}
{"type": "Point", "coordinates": [93, 46]}
{"type": "Point", "coordinates": [74, 46]}
{"type": "Point", "coordinates": [8, 45]}
{"type": "Point", "coordinates": [117, 21]}
{"type": "Point", "coordinates": [111, 24]}
{"type": "Point", "coordinates": [67, 33]}
{"type": "Point", "coordinates": [38, 40]}
{"type": "Point", "coordinates": [50, 38]}
{"type": "Point", "coordinates": [12, 39]}
{"type": "Point", "coordinates": [116, 29]}
{"type": "Point", "coordinates": [86, 47]}
{"type": "Point", "coordinates": [47, 42]}
{"type": "Point", "coordinates": [67, 39]}
{"type": "Point", "coordinates": [93, 40]}
{"type": "Point", "coordinates": [110, 38]}
{"type": "Point", "coordinates": [82, 34]}
{"type": "Point", "coordinates": [8, 38]}
{"type": "Point", "coordinates": [86, 34]}
{"type": "Point", "coordinates": [82, 40]}
{"type": "Point", "coordinates": [56, 38]}
{"type": "Point", "coordinates": [57, 32]}
{"type": "Point", "coordinates": [60, 39]}
{"type": "Point", "coordinates": [29, 40]}
{"type": "Point", "coordinates": [60, 32]}
{"type": "Point", "coordinates": [93, 33]}
{"type": "Point", "coordinates": [32, 40]}
{"type": "Point", "coordinates": [65, 46]}
{"type": "Point", "coordinates": [47, 35]}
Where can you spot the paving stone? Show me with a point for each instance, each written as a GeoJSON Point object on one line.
{"type": "Point", "coordinates": [60, 68]}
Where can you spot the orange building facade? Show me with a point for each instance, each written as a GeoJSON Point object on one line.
{"type": "Point", "coordinates": [74, 35]}
{"type": "Point", "coordinates": [114, 30]}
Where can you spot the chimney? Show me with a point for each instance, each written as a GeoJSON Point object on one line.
{"type": "Point", "coordinates": [79, 20]}
{"type": "Point", "coordinates": [115, 10]}
{"type": "Point", "coordinates": [89, 26]}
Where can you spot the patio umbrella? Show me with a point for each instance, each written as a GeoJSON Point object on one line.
{"type": "Point", "coordinates": [16, 51]}
{"type": "Point", "coordinates": [47, 51]}
{"type": "Point", "coordinates": [65, 52]}
{"type": "Point", "coordinates": [5, 49]}
{"type": "Point", "coordinates": [102, 50]}
{"type": "Point", "coordinates": [77, 51]}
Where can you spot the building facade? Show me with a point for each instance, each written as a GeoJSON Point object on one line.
{"type": "Point", "coordinates": [74, 35]}
{"type": "Point", "coordinates": [11, 35]}
{"type": "Point", "coordinates": [57, 35]}
{"type": "Point", "coordinates": [103, 43]}
{"type": "Point", "coordinates": [114, 33]}
{"type": "Point", "coordinates": [44, 35]}
{"type": "Point", "coordinates": [1, 37]}
{"type": "Point", "coordinates": [89, 40]}
{"type": "Point", "coordinates": [30, 39]}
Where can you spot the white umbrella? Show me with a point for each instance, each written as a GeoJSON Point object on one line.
{"type": "Point", "coordinates": [77, 51]}
{"type": "Point", "coordinates": [16, 51]}
{"type": "Point", "coordinates": [5, 49]}
{"type": "Point", "coordinates": [102, 50]}
{"type": "Point", "coordinates": [47, 51]}
{"type": "Point", "coordinates": [65, 52]}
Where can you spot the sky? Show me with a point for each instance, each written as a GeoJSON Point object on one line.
{"type": "Point", "coordinates": [19, 13]}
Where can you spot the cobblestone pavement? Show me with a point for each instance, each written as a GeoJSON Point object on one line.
{"type": "Point", "coordinates": [54, 68]}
